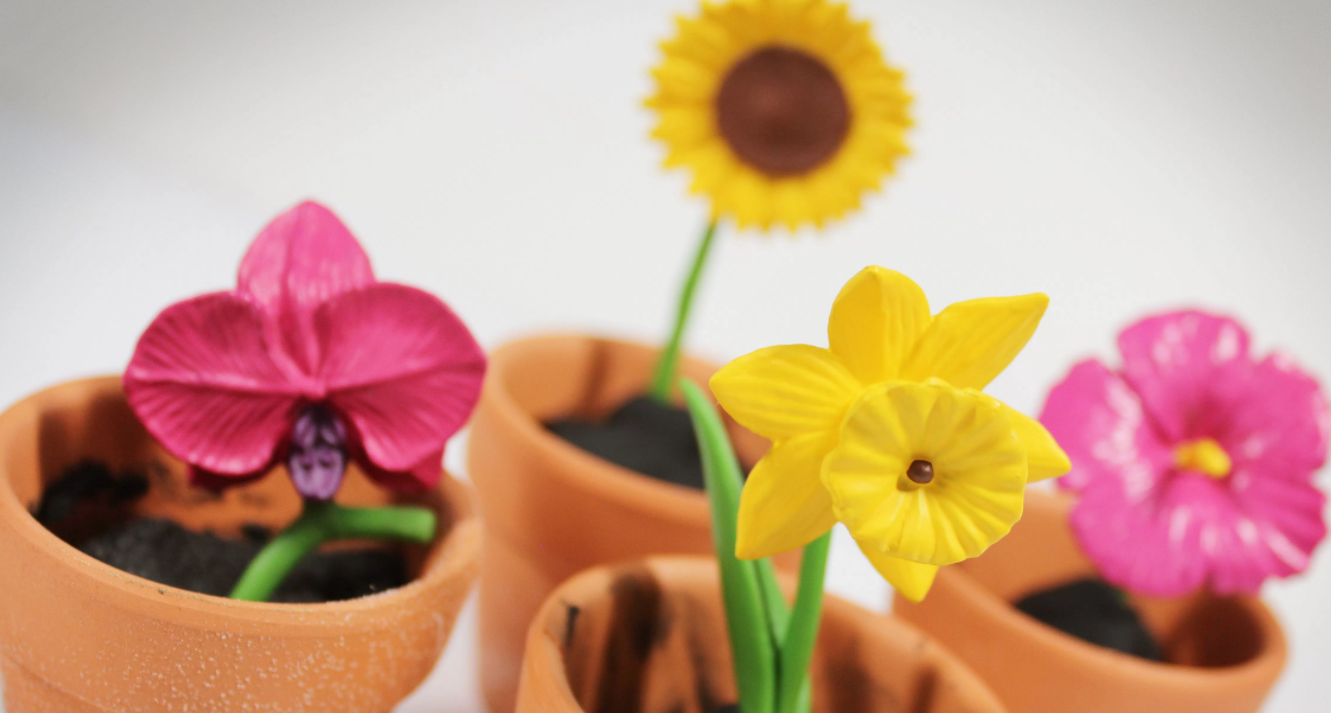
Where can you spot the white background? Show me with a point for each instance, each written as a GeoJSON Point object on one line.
{"type": "Point", "coordinates": [1123, 157]}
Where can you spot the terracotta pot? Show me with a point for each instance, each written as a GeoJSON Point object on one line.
{"type": "Point", "coordinates": [1224, 653]}
{"type": "Point", "coordinates": [650, 637]}
{"type": "Point", "coordinates": [79, 636]}
{"type": "Point", "coordinates": [551, 509]}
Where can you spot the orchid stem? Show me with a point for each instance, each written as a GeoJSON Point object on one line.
{"type": "Point", "coordinates": [668, 362]}
{"type": "Point", "coordinates": [325, 521]}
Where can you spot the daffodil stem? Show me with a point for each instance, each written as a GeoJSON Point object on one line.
{"type": "Point", "coordinates": [668, 362]}
{"type": "Point", "coordinates": [324, 521]}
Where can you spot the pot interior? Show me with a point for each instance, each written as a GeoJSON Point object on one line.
{"type": "Point", "coordinates": [636, 645]}
{"type": "Point", "coordinates": [90, 422]}
{"type": "Point", "coordinates": [1041, 552]}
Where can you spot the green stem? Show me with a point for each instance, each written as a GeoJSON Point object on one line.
{"type": "Point", "coordinates": [325, 521]}
{"type": "Point", "coordinates": [668, 362]}
{"type": "Point", "coordinates": [796, 650]}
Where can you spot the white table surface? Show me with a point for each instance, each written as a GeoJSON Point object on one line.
{"type": "Point", "coordinates": [1123, 157]}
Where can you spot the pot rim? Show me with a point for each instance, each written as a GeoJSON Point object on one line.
{"type": "Point", "coordinates": [551, 653]}
{"type": "Point", "coordinates": [1272, 649]}
{"type": "Point", "coordinates": [452, 553]}
{"type": "Point", "coordinates": [604, 478]}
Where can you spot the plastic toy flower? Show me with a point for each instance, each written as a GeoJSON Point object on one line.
{"type": "Point", "coordinates": [887, 431]}
{"type": "Point", "coordinates": [784, 110]}
{"type": "Point", "coordinates": [1193, 462]}
{"type": "Point", "coordinates": [311, 363]}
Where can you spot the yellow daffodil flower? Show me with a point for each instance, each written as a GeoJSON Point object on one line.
{"type": "Point", "coordinates": [847, 424]}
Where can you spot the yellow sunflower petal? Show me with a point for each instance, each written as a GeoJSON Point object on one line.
{"type": "Point", "coordinates": [979, 471]}
{"type": "Point", "coordinates": [970, 343]}
{"type": "Point", "coordinates": [875, 322]}
{"type": "Point", "coordinates": [785, 391]}
{"type": "Point", "coordinates": [784, 505]}
{"type": "Point", "coordinates": [911, 579]}
{"type": "Point", "coordinates": [1044, 457]}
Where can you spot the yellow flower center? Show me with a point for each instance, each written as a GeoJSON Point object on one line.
{"type": "Point", "coordinates": [1203, 455]}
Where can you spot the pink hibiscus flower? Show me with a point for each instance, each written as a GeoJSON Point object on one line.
{"type": "Point", "coordinates": [1193, 463]}
{"type": "Point", "coordinates": [309, 361]}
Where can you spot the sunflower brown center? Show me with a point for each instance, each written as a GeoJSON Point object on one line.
{"type": "Point", "coordinates": [920, 471]}
{"type": "Point", "coordinates": [782, 111]}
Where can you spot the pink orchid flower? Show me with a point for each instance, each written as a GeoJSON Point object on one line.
{"type": "Point", "coordinates": [1193, 463]}
{"type": "Point", "coordinates": [309, 362]}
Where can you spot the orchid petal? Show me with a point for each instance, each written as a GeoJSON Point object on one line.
{"type": "Point", "coordinates": [785, 391]}
{"type": "Point", "coordinates": [412, 481]}
{"type": "Point", "coordinates": [1184, 366]}
{"type": "Point", "coordinates": [969, 343]}
{"type": "Point", "coordinates": [784, 505]}
{"type": "Point", "coordinates": [300, 260]}
{"type": "Point", "coordinates": [401, 367]}
{"type": "Point", "coordinates": [875, 322]}
{"type": "Point", "coordinates": [1100, 423]}
{"type": "Point", "coordinates": [202, 382]}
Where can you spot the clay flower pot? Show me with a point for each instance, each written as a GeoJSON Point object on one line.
{"type": "Point", "coordinates": [1224, 654]}
{"type": "Point", "coordinates": [551, 509]}
{"type": "Point", "coordinates": [650, 636]}
{"type": "Point", "coordinates": [79, 636]}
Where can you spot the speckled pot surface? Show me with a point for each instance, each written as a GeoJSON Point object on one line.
{"type": "Point", "coordinates": [650, 637]}
{"type": "Point", "coordinates": [79, 636]}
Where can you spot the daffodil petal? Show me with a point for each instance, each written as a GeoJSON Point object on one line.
{"type": "Point", "coordinates": [785, 391]}
{"type": "Point", "coordinates": [875, 322]}
{"type": "Point", "coordinates": [978, 465]}
{"type": "Point", "coordinates": [971, 342]}
{"type": "Point", "coordinates": [1044, 457]}
{"type": "Point", "coordinates": [784, 505]}
{"type": "Point", "coordinates": [911, 579]}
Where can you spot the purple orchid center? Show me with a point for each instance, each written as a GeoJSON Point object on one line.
{"type": "Point", "coordinates": [317, 454]}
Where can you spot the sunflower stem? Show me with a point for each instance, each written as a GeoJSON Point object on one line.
{"type": "Point", "coordinates": [668, 362]}
{"type": "Point", "coordinates": [323, 521]}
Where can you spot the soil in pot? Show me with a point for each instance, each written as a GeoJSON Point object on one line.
{"type": "Point", "coordinates": [644, 435]}
{"type": "Point", "coordinates": [1095, 612]}
{"type": "Point", "coordinates": [89, 507]}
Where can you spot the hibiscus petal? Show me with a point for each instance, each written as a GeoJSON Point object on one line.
{"type": "Point", "coordinates": [202, 382]}
{"type": "Point", "coordinates": [784, 505]}
{"type": "Point", "coordinates": [1044, 459]}
{"type": "Point", "coordinates": [1099, 422]}
{"type": "Point", "coordinates": [1184, 366]}
{"type": "Point", "coordinates": [301, 259]}
{"type": "Point", "coordinates": [911, 579]}
{"type": "Point", "coordinates": [875, 322]}
{"type": "Point", "coordinates": [785, 391]}
{"type": "Point", "coordinates": [969, 343]}
{"type": "Point", "coordinates": [401, 367]}
{"type": "Point", "coordinates": [1145, 535]}
{"type": "Point", "coordinates": [1279, 425]}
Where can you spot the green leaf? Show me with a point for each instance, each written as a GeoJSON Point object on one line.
{"type": "Point", "coordinates": [752, 647]}
{"type": "Point", "coordinates": [802, 633]}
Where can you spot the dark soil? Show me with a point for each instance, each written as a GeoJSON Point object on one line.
{"type": "Point", "coordinates": [1095, 612]}
{"type": "Point", "coordinates": [644, 435]}
{"type": "Point", "coordinates": [166, 553]}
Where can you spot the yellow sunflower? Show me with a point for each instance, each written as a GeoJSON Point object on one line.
{"type": "Point", "coordinates": [784, 110]}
